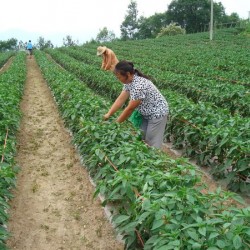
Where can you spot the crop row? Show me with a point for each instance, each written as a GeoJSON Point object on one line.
{"type": "Point", "coordinates": [11, 85]}
{"type": "Point", "coordinates": [225, 61]}
{"type": "Point", "coordinates": [234, 97]}
{"type": "Point", "coordinates": [214, 138]}
{"type": "Point", "coordinates": [4, 57]}
{"type": "Point", "coordinates": [158, 202]}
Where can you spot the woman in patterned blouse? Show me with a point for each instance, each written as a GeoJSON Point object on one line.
{"type": "Point", "coordinates": [144, 97]}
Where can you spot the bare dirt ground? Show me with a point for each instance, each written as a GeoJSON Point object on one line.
{"type": "Point", "coordinates": [53, 207]}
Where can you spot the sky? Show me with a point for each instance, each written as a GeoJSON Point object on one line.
{"type": "Point", "coordinates": [81, 19]}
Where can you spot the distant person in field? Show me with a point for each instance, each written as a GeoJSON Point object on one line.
{"type": "Point", "coordinates": [109, 59]}
{"type": "Point", "coordinates": [29, 48]}
{"type": "Point", "coordinates": [145, 98]}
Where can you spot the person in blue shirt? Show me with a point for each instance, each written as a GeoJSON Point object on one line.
{"type": "Point", "coordinates": [29, 48]}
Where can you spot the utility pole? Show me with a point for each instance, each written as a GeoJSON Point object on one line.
{"type": "Point", "coordinates": [211, 20]}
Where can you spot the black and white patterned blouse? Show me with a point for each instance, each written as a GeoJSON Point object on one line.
{"type": "Point", "coordinates": [153, 104]}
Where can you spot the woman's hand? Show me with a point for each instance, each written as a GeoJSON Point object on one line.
{"type": "Point", "coordinates": [120, 100]}
{"type": "Point", "coordinates": [106, 117]}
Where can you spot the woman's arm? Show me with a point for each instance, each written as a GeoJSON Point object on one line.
{"type": "Point", "coordinates": [103, 62]}
{"type": "Point", "coordinates": [133, 104]}
{"type": "Point", "coordinates": [121, 99]}
{"type": "Point", "coordinates": [108, 60]}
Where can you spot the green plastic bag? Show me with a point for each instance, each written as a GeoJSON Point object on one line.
{"type": "Point", "coordinates": [136, 118]}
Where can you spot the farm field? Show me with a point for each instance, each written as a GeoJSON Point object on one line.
{"type": "Point", "coordinates": [158, 202]}
{"type": "Point", "coordinates": [206, 84]}
{"type": "Point", "coordinates": [53, 206]}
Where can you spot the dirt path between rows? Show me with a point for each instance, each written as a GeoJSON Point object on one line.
{"type": "Point", "coordinates": [53, 207]}
{"type": "Point", "coordinates": [6, 65]}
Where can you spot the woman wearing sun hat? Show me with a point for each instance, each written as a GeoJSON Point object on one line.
{"type": "Point", "coordinates": [109, 59]}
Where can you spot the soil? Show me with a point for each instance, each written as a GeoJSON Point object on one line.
{"type": "Point", "coordinates": [53, 206]}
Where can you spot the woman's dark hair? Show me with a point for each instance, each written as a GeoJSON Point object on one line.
{"type": "Point", "coordinates": [123, 67]}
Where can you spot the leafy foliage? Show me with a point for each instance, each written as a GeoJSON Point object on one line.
{"type": "Point", "coordinates": [5, 56]}
{"type": "Point", "coordinates": [11, 84]}
{"type": "Point", "coordinates": [246, 29]}
{"type": "Point", "coordinates": [211, 127]}
{"type": "Point", "coordinates": [68, 41]}
{"type": "Point", "coordinates": [10, 44]}
{"type": "Point", "coordinates": [158, 202]}
{"type": "Point", "coordinates": [43, 44]}
{"type": "Point", "coordinates": [194, 14]}
{"type": "Point", "coordinates": [171, 30]}
{"type": "Point", "coordinates": [151, 26]}
{"type": "Point", "coordinates": [129, 26]}
{"type": "Point", "coordinates": [105, 35]}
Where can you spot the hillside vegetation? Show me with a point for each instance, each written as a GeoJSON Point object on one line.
{"type": "Point", "coordinates": [161, 203]}
{"type": "Point", "coordinates": [157, 202]}
{"type": "Point", "coordinates": [206, 84]}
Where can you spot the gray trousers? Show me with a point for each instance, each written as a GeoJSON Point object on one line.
{"type": "Point", "coordinates": [153, 131]}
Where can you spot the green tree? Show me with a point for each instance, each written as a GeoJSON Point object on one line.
{"type": "Point", "coordinates": [10, 44]}
{"type": "Point", "coordinates": [194, 15]}
{"type": "Point", "coordinates": [68, 41]}
{"type": "Point", "coordinates": [129, 26]}
{"type": "Point", "coordinates": [43, 44]}
{"type": "Point", "coordinates": [171, 30]}
{"type": "Point", "coordinates": [22, 45]}
{"type": "Point", "coordinates": [151, 26]}
{"type": "Point", "coordinates": [233, 18]}
{"type": "Point", "coordinates": [246, 28]}
{"type": "Point", "coordinates": [105, 35]}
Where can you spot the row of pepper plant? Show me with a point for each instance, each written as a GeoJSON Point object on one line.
{"type": "Point", "coordinates": [234, 97]}
{"type": "Point", "coordinates": [4, 57]}
{"type": "Point", "coordinates": [11, 86]}
{"type": "Point", "coordinates": [157, 202]}
{"type": "Point", "coordinates": [224, 59]}
{"type": "Point", "coordinates": [213, 137]}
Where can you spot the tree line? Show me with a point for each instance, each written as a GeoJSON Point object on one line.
{"type": "Point", "coordinates": [191, 15]}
